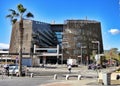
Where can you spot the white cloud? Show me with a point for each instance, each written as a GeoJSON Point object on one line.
{"type": "Point", "coordinates": [4, 46]}
{"type": "Point", "coordinates": [114, 31]}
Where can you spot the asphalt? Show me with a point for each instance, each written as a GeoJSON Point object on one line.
{"type": "Point", "coordinates": [86, 80]}
{"type": "Point", "coordinates": [89, 77]}
{"type": "Point", "coordinates": [49, 81]}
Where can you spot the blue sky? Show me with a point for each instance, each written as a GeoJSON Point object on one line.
{"type": "Point", "coordinates": [105, 11]}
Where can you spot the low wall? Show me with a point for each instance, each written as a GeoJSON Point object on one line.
{"type": "Point", "coordinates": [113, 76]}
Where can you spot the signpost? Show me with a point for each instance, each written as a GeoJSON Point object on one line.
{"type": "Point", "coordinates": [82, 51]}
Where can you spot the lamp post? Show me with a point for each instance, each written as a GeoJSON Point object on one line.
{"type": "Point", "coordinates": [98, 56]}
{"type": "Point", "coordinates": [81, 52]}
{"type": "Point", "coordinates": [98, 43]}
{"type": "Point", "coordinates": [62, 56]}
{"type": "Point", "coordinates": [98, 46]}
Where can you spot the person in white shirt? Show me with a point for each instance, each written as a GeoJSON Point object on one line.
{"type": "Point", "coordinates": [69, 68]}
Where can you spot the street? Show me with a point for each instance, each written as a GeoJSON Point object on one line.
{"type": "Point", "coordinates": [41, 76]}
{"type": "Point", "coordinates": [46, 75]}
{"type": "Point", "coordinates": [24, 81]}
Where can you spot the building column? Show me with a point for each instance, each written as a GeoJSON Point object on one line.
{"type": "Point", "coordinates": [35, 59]}
{"type": "Point", "coordinates": [44, 61]}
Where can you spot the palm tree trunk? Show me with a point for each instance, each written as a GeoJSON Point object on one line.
{"type": "Point", "coordinates": [21, 43]}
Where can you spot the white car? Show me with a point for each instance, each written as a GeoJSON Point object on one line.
{"type": "Point", "coordinates": [72, 62]}
{"type": "Point", "coordinates": [14, 70]}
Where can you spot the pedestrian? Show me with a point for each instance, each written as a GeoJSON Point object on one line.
{"type": "Point", "coordinates": [69, 68]}
{"type": "Point", "coordinates": [118, 77]}
{"type": "Point", "coordinates": [7, 70]}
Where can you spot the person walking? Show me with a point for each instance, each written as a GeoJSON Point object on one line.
{"type": "Point", "coordinates": [69, 68]}
{"type": "Point", "coordinates": [7, 70]}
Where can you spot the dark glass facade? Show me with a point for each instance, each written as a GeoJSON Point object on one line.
{"type": "Point", "coordinates": [58, 30]}
{"type": "Point", "coordinates": [43, 36]}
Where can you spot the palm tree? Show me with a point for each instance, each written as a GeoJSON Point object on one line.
{"type": "Point", "coordinates": [13, 18]}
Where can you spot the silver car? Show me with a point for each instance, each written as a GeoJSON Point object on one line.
{"type": "Point", "coordinates": [14, 70]}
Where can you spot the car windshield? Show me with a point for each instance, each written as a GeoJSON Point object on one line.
{"type": "Point", "coordinates": [13, 67]}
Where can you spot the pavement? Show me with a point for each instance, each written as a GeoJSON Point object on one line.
{"type": "Point", "coordinates": [83, 82]}
{"type": "Point", "coordinates": [45, 77]}
{"type": "Point", "coordinates": [49, 81]}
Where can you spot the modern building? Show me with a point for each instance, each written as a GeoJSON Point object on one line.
{"type": "Point", "coordinates": [5, 58]}
{"type": "Point", "coordinates": [81, 38]}
{"type": "Point", "coordinates": [57, 42]}
{"type": "Point", "coordinates": [35, 33]}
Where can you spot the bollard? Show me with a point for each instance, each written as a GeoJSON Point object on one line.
{"type": "Point", "coordinates": [106, 79]}
{"type": "Point", "coordinates": [79, 77]}
{"type": "Point", "coordinates": [31, 75]}
{"type": "Point", "coordinates": [67, 77]}
{"type": "Point", "coordinates": [55, 76]}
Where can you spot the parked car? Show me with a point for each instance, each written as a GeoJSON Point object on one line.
{"type": "Point", "coordinates": [14, 70]}
{"type": "Point", "coordinates": [94, 66]}
{"type": "Point", "coordinates": [72, 62]}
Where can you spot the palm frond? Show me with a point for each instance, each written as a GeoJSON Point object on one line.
{"type": "Point", "coordinates": [29, 14]}
{"type": "Point", "coordinates": [19, 6]}
{"type": "Point", "coordinates": [9, 16]}
{"type": "Point", "coordinates": [11, 10]}
{"type": "Point", "coordinates": [21, 9]}
{"type": "Point", "coordinates": [14, 21]}
{"type": "Point", "coordinates": [14, 13]}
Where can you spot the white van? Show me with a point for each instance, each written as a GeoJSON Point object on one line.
{"type": "Point", "coordinates": [72, 62]}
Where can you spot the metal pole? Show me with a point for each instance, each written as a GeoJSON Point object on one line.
{"type": "Point", "coordinates": [98, 48]}
{"type": "Point", "coordinates": [33, 57]}
{"type": "Point", "coordinates": [62, 59]}
{"type": "Point", "coordinates": [81, 54]}
{"type": "Point", "coordinates": [57, 53]}
{"type": "Point", "coordinates": [62, 56]}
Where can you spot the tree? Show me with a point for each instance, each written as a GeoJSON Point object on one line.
{"type": "Point", "coordinates": [119, 56]}
{"type": "Point", "coordinates": [13, 18]}
{"type": "Point", "coordinates": [93, 56]}
{"type": "Point", "coordinates": [112, 55]}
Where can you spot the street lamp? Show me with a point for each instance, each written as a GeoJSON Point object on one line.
{"type": "Point", "coordinates": [98, 46]}
{"type": "Point", "coordinates": [97, 42]}
{"type": "Point", "coordinates": [97, 56]}
{"type": "Point", "coordinates": [81, 52]}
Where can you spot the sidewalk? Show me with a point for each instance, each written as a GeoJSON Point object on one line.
{"type": "Point", "coordinates": [83, 82]}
